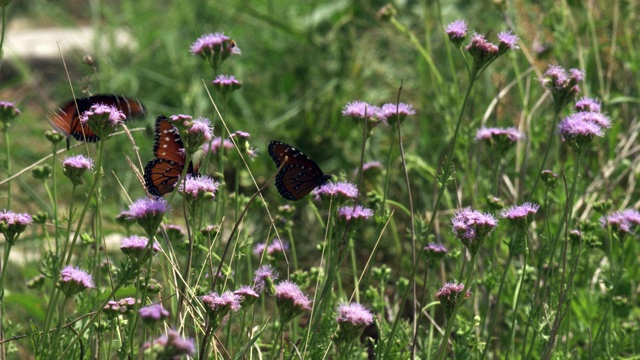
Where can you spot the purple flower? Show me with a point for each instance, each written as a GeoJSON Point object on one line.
{"type": "Point", "coordinates": [153, 313]}
{"type": "Point", "coordinates": [8, 111]}
{"type": "Point", "coordinates": [210, 43]}
{"type": "Point", "coordinates": [73, 280]}
{"type": "Point", "coordinates": [198, 187]}
{"type": "Point", "coordinates": [226, 84]}
{"type": "Point", "coordinates": [247, 294]}
{"type": "Point", "coordinates": [354, 315]}
{"type": "Point", "coordinates": [13, 224]}
{"type": "Point", "coordinates": [350, 213]}
{"type": "Point", "coordinates": [148, 213]}
{"type": "Point", "coordinates": [138, 246]}
{"type": "Point", "coordinates": [240, 135]}
{"type": "Point", "coordinates": [562, 85]}
{"type": "Point", "coordinates": [503, 139]}
{"type": "Point", "coordinates": [220, 306]}
{"type": "Point", "coordinates": [372, 165]}
{"type": "Point", "coordinates": [339, 191]}
{"type": "Point", "coordinates": [214, 145]}
{"type": "Point", "coordinates": [169, 346]}
{"type": "Point", "coordinates": [448, 295]}
{"type": "Point", "coordinates": [264, 278]}
{"type": "Point", "coordinates": [103, 119]}
{"type": "Point", "coordinates": [74, 167]}
{"type": "Point", "coordinates": [507, 41]}
{"type": "Point", "coordinates": [358, 109]}
{"type": "Point", "coordinates": [597, 118]}
{"type": "Point", "coordinates": [472, 227]}
{"type": "Point", "coordinates": [196, 133]}
{"type": "Point", "coordinates": [435, 251]}
{"type": "Point", "coordinates": [290, 300]}
{"type": "Point", "coordinates": [588, 104]}
{"type": "Point", "coordinates": [391, 112]}
{"type": "Point", "coordinates": [483, 51]}
{"type": "Point", "coordinates": [622, 222]}
{"type": "Point", "coordinates": [578, 131]}
{"type": "Point", "coordinates": [181, 120]}
{"type": "Point", "coordinates": [457, 31]}
{"type": "Point", "coordinates": [121, 307]}
{"type": "Point", "coordinates": [520, 214]}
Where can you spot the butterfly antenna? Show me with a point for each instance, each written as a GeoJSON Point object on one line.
{"type": "Point", "coordinates": [235, 227]}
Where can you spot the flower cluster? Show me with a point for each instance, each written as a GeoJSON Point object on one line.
{"type": "Point", "coordinates": [359, 110]}
{"type": "Point", "coordinates": [579, 128]}
{"type": "Point", "coordinates": [121, 307]}
{"type": "Point", "coordinates": [622, 222]}
{"type": "Point", "coordinates": [502, 139]}
{"type": "Point", "coordinates": [290, 300]}
{"type": "Point", "coordinates": [275, 246]}
{"type": "Point", "coordinates": [354, 213]}
{"type": "Point", "coordinates": [472, 227]}
{"type": "Point", "coordinates": [448, 295]}
{"type": "Point", "coordinates": [264, 277]}
{"type": "Point", "coordinates": [435, 251]}
{"type": "Point", "coordinates": [457, 32]}
{"type": "Point", "coordinates": [226, 84]}
{"type": "Point", "coordinates": [153, 313]}
{"type": "Point", "coordinates": [74, 167]}
{"type": "Point", "coordinates": [214, 49]}
{"type": "Point", "coordinates": [247, 295]}
{"type": "Point", "coordinates": [103, 119]}
{"type": "Point", "coordinates": [169, 346]}
{"type": "Point", "coordinates": [198, 187]}
{"type": "Point", "coordinates": [352, 319]}
{"type": "Point", "coordinates": [138, 247]}
{"type": "Point", "coordinates": [220, 306]}
{"type": "Point", "coordinates": [340, 191]}
{"type": "Point", "coordinates": [13, 224]}
{"type": "Point", "coordinates": [8, 111]}
{"type": "Point", "coordinates": [563, 85]}
{"type": "Point", "coordinates": [148, 213]}
{"type": "Point", "coordinates": [73, 280]}
{"type": "Point", "coordinates": [521, 217]}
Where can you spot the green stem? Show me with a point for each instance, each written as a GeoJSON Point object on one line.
{"type": "Point", "coordinates": [495, 311]}
{"type": "Point", "coordinates": [5, 261]}
{"type": "Point", "coordinates": [7, 146]}
{"type": "Point", "coordinates": [552, 131]}
{"type": "Point", "coordinates": [515, 308]}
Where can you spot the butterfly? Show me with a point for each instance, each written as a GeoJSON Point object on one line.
{"type": "Point", "coordinates": [162, 173]}
{"type": "Point", "coordinates": [67, 118]}
{"type": "Point", "coordinates": [299, 175]}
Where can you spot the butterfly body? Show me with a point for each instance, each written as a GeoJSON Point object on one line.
{"type": "Point", "coordinates": [67, 118]}
{"type": "Point", "coordinates": [299, 175]}
{"type": "Point", "coordinates": [162, 173]}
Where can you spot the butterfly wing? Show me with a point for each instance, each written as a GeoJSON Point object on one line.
{"type": "Point", "coordinates": [67, 118]}
{"type": "Point", "coordinates": [162, 173]}
{"type": "Point", "coordinates": [299, 175]}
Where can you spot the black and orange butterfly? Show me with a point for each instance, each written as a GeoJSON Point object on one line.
{"type": "Point", "coordinates": [67, 118]}
{"type": "Point", "coordinates": [162, 173]}
{"type": "Point", "coordinates": [299, 175]}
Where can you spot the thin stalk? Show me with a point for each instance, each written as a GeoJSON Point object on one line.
{"type": "Point", "coordinates": [495, 311]}
{"type": "Point", "coordinates": [6, 142]}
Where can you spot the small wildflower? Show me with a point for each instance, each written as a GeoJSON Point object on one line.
{"type": "Point", "coordinates": [435, 251]}
{"type": "Point", "coordinates": [578, 131]}
{"type": "Point", "coordinates": [138, 247]}
{"type": "Point", "coordinates": [448, 295]}
{"type": "Point", "coordinates": [121, 307]}
{"type": "Point", "coordinates": [502, 139]}
{"type": "Point", "coordinates": [197, 132]}
{"type": "Point", "coordinates": [359, 110]}
{"type": "Point", "coordinates": [74, 167]}
{"type": "Point", "coordinates": [597, 118]}
{"type": "Point", "coordinates": [148, 213]}
{"type": "Point", "coordinates": [220, 306]}
{"type": "Point", "coordinates": [214, 49]}
{"type": "Point", "coordinates": [350, 213]}
{"type": "Point", "coordinates": [8, 111]}
{"type": "Point", "coordinates": [395, 112]}
{"type": "Point", "coordinates": [214, 145]}
{"type": "Point", "coordinates": [482, 51]}
{"type": "Point", "coordinates": [587, 104]}
{"type": "Point", "coordinates": [169, 346]}
{"type": "Point", "coordinates": [457, 31]}
{"type": "Point", "coordinates": [181, 120]}
{"type": "Point", "coordinates": [386, 12]}
{"type": "Point", "coordinates": [264, 278]}
{"type": "Point", "coordinates": [198, 187]}
{"type": "Point", "coordinates": [622, 222]}
{"type": "Point", "coordinates": [73, 280]}
{"type": "Point", "coordinates": [354, 315]}
{"type": "Point", "coordinates": [102, 119]}
{"type": "Point", "coordinates": [13, 224]}
{"type": "Point", "coordinates": [248, 295]}
{"type": "Point", "coordinates": [290, 301]}
{"type": "Point", "coordinates": [562, 85]}
{"type": "Point", "coordinates": [507, 41]}
{"type": "Point", "coordinates": [210, 231]}
{"type": "Point", "coordinates": [472, 227]}
{"type": "Point", "coordinates": [153, 313]}
{"type": "Point", "coordinates": [549, 178]}
{"type": "Point", "coordinates": [275, 246]}
{"type": "Point", "coordinates": [226, 84]}
{"type": "Point", "coordinates": [521, 215]}
{"type": "Point", "coordinates": [339, 191]}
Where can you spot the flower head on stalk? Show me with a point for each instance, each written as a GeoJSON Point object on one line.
{"type": "Point", "coordinates": [74, 167]}
{"type": "Point", "coordinates": [502, 139]}
{"type": "Point", "coordinates": [148, 213]}
{"type": "Point", "coordinates": [622, 222]}
{"type": "Point", "coordinates": [563, 85]}
{"type": "Point", "coordinates": [226, 84]}
{"type": "Point", "coordinates": [448, 295]}
{"type": "Point", "coordinates": [170, 346]}
{"type": "Point", "coordinates": [340, 191]}
{"type": "Point", "coordinates": [103, 119]}
{"type": "Point", "coordinates": [124, 306]}
{"type": "Point", "coordinates": [248, 295]}
{"type": "Point", "coordinates": [138, 247]}
{"type": "Point", "coordinates": [392, 112]}
{"type": "Point", "coordinates": [264, 278]}
{"type": "Point", "coordinates": [73, 280]}
{"type": "Point", "coordinates": [485, 52]}
{"type": "Point", "coordinates": [220, 306]}
{"type": "Point", "coordinates": [8, 112]}
{"type": "Point", "coordinates": [214, 49]}
{"type": "Point", "coordinates": [521, 217]}
{"type": "Point", "coordinates": [578, 130]}
{"type": "Point", "coordinates": [241, 139]}
{"type": "Point", "coordinates": [13, 224]}
{"type": "Point", "coordinates": [435, 251]}
{"type": "Point", "coordinates": [214, 145]}
{"type": "Point", "coordinates": [352, 319]}
{"type": "Point", "coordinates": [359, 110]}
{"type": "Point", "coordinates": [472, 227]}
{"type": "Point", "coordinates": [457, 32]}
{"type": "Point", "coordinates": [349, 213]}
{"type": "Point", "coordinates": [290, 301]}
{"type": "Point", "coordinates": [198, 187]}
{"type": "Point", "coordinates": [588, 104]}
{"type": "Point", "coordinates": [153, 313]}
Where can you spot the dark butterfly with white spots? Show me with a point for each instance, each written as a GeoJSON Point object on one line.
{"type": "Point", "coordinates": [162, 173]}
{"type": "Point", "coordinates": [67, 118]}
{"type": "Point", "coordinates": [299, 175]}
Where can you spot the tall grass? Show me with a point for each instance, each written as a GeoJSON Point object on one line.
{"type": "Point", "coordinates": [243, 273]}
